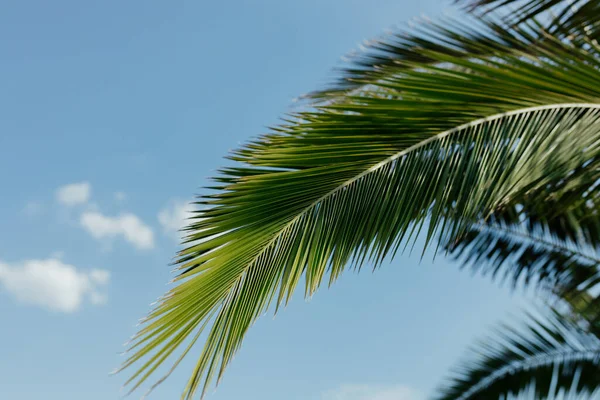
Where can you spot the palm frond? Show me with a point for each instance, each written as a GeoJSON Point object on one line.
{"type": "Point", "coordinates": [548, 357]}
{"type": "Point", "coordinates": [429, 42]}
{"type": "Point", "coordinates": [565, 16]}
{"type": "Point", "coordinates": [284, 232]}
{"type": "Point", "coordinates": [422, 45]}
{"type": "Point", "coordinates": [513, 253]}
{"type": "Point", "coordinates": [550, 238]}
{"type": "Point", "coordinates": [355, 180]}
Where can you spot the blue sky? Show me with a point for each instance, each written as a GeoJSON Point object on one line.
{"type": "Point", "coordinates": [112, 116]}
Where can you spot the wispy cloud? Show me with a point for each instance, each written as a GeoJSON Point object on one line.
{"type": "Point", "coordinates": [127, 226]}
{"type": "Point", "coordinates": [53, 284]}
{"type": "Point", "coordinates": [33, 208]}
{"type": "Point", "coordinates": [174, 217]}
{"type": "Point", "coordinates": [372, 392]}
{"type": "Point", "coordinates": [120, 196]}
{"type": "Point", "coordinates": [74, 194]}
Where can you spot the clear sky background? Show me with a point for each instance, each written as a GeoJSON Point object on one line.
{"type": "Point", "coordinates": [112, 116]}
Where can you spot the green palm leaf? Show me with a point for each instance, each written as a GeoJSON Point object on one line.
{"type": "Point", "coordinates": [548, 357]}
{"type": "Point", "coordinates": [357, 179]}
{"type": "Point", "coordinates": [428, 42]}
{"type": "Point", "coordinates": [238, 273]}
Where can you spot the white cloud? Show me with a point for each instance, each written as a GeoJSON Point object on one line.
{"type": "Point", "coordinates": [100, 276]}
{"type": "Point", "coordinates": [174, 217]}
{"type": "Point", "coordinates": [373, 392]}
{"type": "Point", "coordinates": [52, 284]}
{"type": "Point", "coordinates": [127, 226]}
{"type": "Point", "coordinates": [74, 193]}
{"type": "Point", "coordinates": [120, 196]}
{"type": "Point", "coordinates": [98, 299]}
{"type": "Point", "coordinates": [33, 208]}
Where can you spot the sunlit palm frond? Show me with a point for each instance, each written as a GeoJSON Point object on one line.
{"type": "Point", "coordinates": [355, 180]}
{"type": "Point", "coordinates": [547, 357]}
{"type": "Point", "coordinates": [285, 231]}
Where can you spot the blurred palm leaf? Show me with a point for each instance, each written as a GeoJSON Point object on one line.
{"type": "Point", "coordinates": [429, 42]}
{"type": "Point", "coordinates": [513, 253]}
{"type": "Point", "coordinates": [430, 148]}
{"type": "Point", "coordinates": [520, 32]}
{"type": "Point", "coordinates": [547, 358]}
{"type": "Point", "coordinates": [550, 238]}
{"type": "Point", "coordinates": [548, 241]}
{"type": "Point", "coordinates": [566, 17]}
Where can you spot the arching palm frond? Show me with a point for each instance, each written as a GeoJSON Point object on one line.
{"type": "Point", "coordinates": [443, 143]}
{"type": "Point", "coordinates": [547, 357]}
{"type": "Point", "coordinates": [286, 233]}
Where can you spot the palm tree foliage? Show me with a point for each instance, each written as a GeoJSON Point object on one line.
{"type": "Point", "coordinates": [565, 17]}
{"type": "Point", "coordinates": [549, 237]}
{"type": "Point", "coordinates": [535, 359]}
{"type": "Point", "coordinates": [517, 32]}
{"type": "Point", "coordinates": [450, 134]}
{"type": "Point", "coordinates": [429, 41]}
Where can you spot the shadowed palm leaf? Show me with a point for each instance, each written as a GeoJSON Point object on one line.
{"type": "Point", "coordinates": [432, 147]}
{"type": "Point", "coordinates": [551, 238]}
{"type": "Point", "coordinates": [548, 357]}
{"type": "Point", "coordinates": [520, 256]}
{"type": "Point", "coordinates": [545, 241]}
